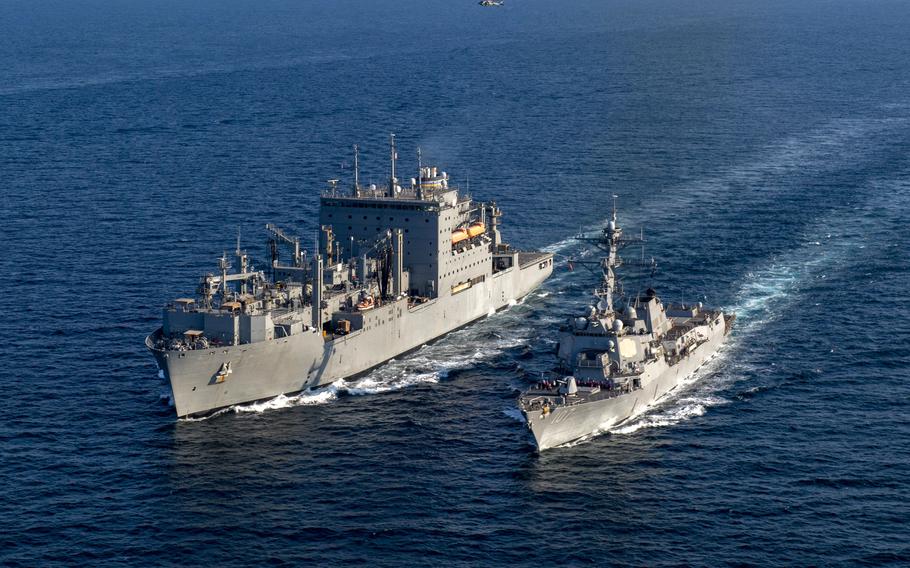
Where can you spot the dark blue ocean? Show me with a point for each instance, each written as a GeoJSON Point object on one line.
{"type": "Point", "coordinates": [763, 147]}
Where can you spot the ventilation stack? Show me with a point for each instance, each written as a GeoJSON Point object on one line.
{"type": "Point", "coordinates": [317, 291]}
{"type": "Point", "coordinates": [397, 262]}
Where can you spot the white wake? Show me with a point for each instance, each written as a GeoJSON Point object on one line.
{"type": "Point", "coordinates": [766, 293]}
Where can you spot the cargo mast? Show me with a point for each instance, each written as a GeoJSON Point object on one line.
{"type": "Point", "coordinates": [393, 181]}
{"type": "Point", "coordinates": [356, 171]}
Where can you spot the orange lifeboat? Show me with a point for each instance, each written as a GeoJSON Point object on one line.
{"type": "Point", "coordinates": [476, 229]}
{"type": "Point", "coordinates": [459, 235]}
{"type": "Point", "coordinates": [366, 304]}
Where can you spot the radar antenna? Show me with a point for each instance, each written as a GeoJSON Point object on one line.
{"type": "Point", "coordinates": [611, 242]}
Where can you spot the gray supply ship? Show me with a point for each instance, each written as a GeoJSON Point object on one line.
{"type": "Point", "coordinates": [396, 267]}
{"type": "Point", "coordinates": [620, 359]}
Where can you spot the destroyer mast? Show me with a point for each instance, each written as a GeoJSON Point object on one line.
{"type": "Point", "coordinates": [611, 242]}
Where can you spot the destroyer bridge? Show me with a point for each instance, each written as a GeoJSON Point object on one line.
{"type": "Point", "coordinates": [394, 266]}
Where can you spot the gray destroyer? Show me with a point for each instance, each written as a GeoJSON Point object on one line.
{"type": "Point", "coordinates": [618, 360]}
{"type": "Point", "coordinates": [395, 267]}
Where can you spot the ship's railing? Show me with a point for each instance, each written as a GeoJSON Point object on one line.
{"type": "Point", "coordinates": [382, 192]}
{"type": "Point", "coordinates": [539, 399]}
{"type": "Point", "coordinates": [588, 390]}
{"type": "Point", "coordinates": [158, 341]}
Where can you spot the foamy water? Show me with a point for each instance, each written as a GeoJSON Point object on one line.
{"type": "Point", "coordinates": [766, 293]}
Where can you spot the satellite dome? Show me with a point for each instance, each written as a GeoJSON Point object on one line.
{"type": "Point", "coordinates": [631, 313]}
{"type": "Point", "coordinates": [611, 225]}
{"type": "Point", "coordinates": [617, 325]}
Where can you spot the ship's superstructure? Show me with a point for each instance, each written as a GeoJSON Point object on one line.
{"type": "Point", "coordinates": [396, 266]}
{"type": "Point", "coordinates": [619, 358]}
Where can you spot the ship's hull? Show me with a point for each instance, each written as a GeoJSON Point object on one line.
{"type": "Point", "coordinates": [565, 424]}
{"type": "Point", "coordinates": [267, 369]}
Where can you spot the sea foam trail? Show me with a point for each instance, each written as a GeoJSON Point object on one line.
{"type": "Point", "coordinates": [429, 364]}
{"type": "Point", "coordinates": [832, 145]}
{"type": "Point", "coordinates": [308, 397]}
{"type": "Point", "coordinates": [513, 413]}
{"type": "Point", "coordinates": [764, 295]}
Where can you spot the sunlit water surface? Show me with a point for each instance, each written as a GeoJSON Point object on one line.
{"type": "Point", "coordinates": [764, 148]}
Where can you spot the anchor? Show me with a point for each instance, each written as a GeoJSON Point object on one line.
{"type": "Point", "coordinates": [223, 372]}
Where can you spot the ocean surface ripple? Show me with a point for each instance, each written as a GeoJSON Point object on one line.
{"type": "Point", "coordinates": [764, 150]}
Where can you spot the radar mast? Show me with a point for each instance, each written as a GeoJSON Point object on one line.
{"type": "Point", "coordinates": [611, 242]}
